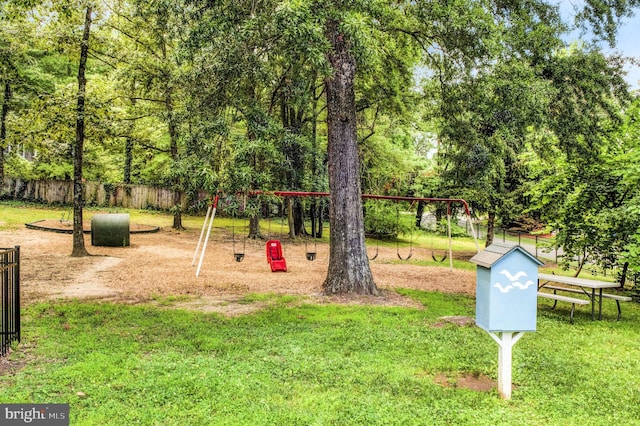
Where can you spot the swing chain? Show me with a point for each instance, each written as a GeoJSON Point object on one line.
{"type": "Point", "coordinates": [238, 256]}
{"type": "Point", "coordinates": [398, 240]}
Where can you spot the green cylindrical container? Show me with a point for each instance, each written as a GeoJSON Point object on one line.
{"type": "Point", "coordinates": [111, 230]}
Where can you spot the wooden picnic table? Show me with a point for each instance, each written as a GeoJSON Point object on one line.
{"type": "Point", "coordinates": [583, 284]}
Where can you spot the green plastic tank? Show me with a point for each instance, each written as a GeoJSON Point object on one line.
{"type": "Point", "coordinates": [111, 230]}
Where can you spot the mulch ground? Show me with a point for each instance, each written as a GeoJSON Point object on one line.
{"type": "Point", "coordinates": [160, 264]}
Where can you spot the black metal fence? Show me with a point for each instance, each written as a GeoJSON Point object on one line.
{"type": "Point", "coordinates": [10, 297]}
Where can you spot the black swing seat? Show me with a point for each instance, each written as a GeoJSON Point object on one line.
{"type": "Point", "coordinates": [436, 259]}
{"type": "Point", "coordinates": [238, 256]}
{"type": "Point", "coordinates": [311, 256]}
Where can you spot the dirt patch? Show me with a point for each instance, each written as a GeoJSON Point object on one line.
{"type": "Point", "coordinates": [158, 265]}
{"type": "Point", "coordinates": [458, 320]}
{"type": "Point", "coordinates": [8, 365]}
{"type": "Point", "coordinates": [229, 306]}
{"type": "Point", "coordinates": [475, 382]}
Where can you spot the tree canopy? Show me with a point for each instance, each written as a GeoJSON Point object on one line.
{"type": "Point", "coordinates": [203, 95]}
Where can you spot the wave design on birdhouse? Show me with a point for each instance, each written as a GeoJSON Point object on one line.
{"type": "Point", "coordinates": [515, 283]}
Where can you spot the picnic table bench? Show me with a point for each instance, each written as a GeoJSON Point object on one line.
{"type": "Point", "coordinates": [559, 297]}
{"type": "Point", "coordinates": [579, 286]}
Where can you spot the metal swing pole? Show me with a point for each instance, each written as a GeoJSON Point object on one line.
{"type": "Point", "coordinates": [204, 226]}
{"type": "Point", "coordinates": [473, 231]}
{"type": "Point", "coordinates": [206, 240]}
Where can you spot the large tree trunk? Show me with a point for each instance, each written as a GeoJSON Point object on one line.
{"type": "Point", "coordinates": [3, 127]}
{"type": "Point", "coordinates": [349, 270]}
{"type": "Point", "coordinates": [78, 198]}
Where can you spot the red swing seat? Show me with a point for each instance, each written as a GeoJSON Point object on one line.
{"type": "Point", "coordinates": [274, 256]}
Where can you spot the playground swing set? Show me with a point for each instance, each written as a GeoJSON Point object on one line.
{"type": "Point", "coordinates": [274, 248]}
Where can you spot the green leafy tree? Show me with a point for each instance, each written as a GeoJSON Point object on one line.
{"type": "Point", "coordinates": [486, 122]}
{"type": "Point", "coordinates": [624, 164]}
{"type": "Point", "coordinates": [23, 77]}
{"type": "Point", "coordinates": [532, 85]}
{"type": "Point", "coordinates": [593, 204]}
{"type": "Point", "coordinates": [78, 148]}
{"type": "Point", "coordinates": [146, 58]}
{"type": "Point", "coordinates": [577, 191]}
{"type": "Point", "coordinates": [345, 39]}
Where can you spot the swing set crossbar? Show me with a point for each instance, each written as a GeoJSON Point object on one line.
{"type": "Point", "coordinates": [368, 196]}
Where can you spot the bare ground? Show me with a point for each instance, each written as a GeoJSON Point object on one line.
{"type": "Point", "coordinates": [159, 265]}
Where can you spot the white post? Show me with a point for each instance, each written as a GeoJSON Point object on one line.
{"type": "Point", "coordinates": [206, 240]}
{"type": "Point", "coordinates": [204, 226]}
{"type": "Point", "coordinates": [505, 340]}
{"type": "Point", "coordinates": [473, 232]}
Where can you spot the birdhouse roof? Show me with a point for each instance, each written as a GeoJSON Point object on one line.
{"type": "Point", "coordinates": [496, 251]}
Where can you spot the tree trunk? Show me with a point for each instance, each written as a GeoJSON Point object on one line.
{"type": "Point", "coordinates": [349, 270]}
{"type": "Point", "coordinates": [254, 229]}
{"type": "Point", "coordinates": [316, 208]}
{"type": "Point", "coordinates": [623, 274]}
{"type": "Point", "coordinates": [3, 127]}
{"type": "Point", "coordinates": [298, 219]}
{"type": "Point", "coordinates": [78, 198]}
{"type": "Point", "coordinates": [582, 260]}
{"type": "Point", "coordinates": [292, 121]}
{"type": "Point", "coordinates": [419, 213]}
{"type": "Point", "coordinates": [128, 159]}
{"type": "Point", "coordinates": [128, 147]}
{"type": "Point", "coordinates": [491, 226]}
{"type": "Point", "coordinates": [173, 140]}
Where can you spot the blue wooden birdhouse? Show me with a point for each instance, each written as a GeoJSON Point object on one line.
{"type": "Point", "coordinates": [506, 288]}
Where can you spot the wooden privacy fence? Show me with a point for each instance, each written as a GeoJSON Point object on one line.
{"type": "Point", "coordinates": [95, 194]}
{"type": "Point", "coordinates": [9, 297]}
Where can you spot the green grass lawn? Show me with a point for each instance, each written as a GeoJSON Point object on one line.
{"type": "Point", "coordinates": [297, 363]}
{"type": "Point", "coordinates": [304, 364]}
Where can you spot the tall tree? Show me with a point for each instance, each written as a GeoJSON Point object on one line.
{"type": "Point", "coordinates": [78, 186]}
{"type": "Point", "coordinates": [529, 85]}
{"type": "Point", "coordinates": [343, 39]}
{"type": "Point", "coordinates": [16, 69]}
{"type": "Point", "coordinates": [349, 270]}
{"type": "Point", "coordinates": [4, 112]}
{"type": "Point", "coordinates": [580, 189]}
{"type": "Point", "coordinates": [146, 58]}
{"type": "Point", "coordinates": [625, 163]}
